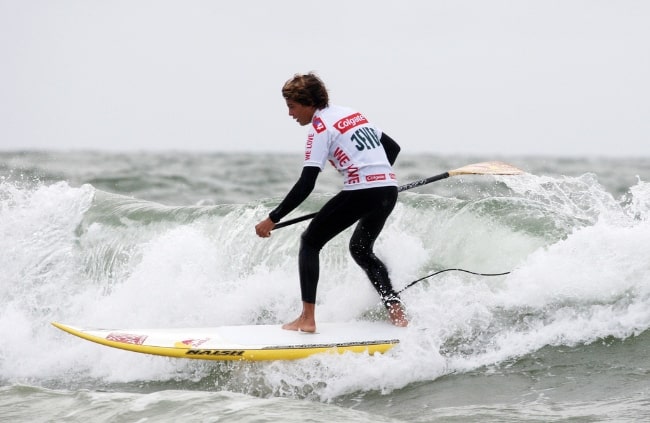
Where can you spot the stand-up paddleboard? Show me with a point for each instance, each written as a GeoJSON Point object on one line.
{"type": "Point", "coordinates": [247, 342]}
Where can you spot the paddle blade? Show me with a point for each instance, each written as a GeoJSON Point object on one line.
{"type": "Point", "coordinates": [487, 168]}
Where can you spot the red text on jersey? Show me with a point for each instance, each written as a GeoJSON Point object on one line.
{"type": "Point", "coordinates": [308, 146]}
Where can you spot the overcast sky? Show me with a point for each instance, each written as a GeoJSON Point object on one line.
{"type": "Point", "coordinates": [553, 77]}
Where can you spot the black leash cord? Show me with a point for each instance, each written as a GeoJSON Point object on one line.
{"type": "Point", "coordinates": [449, 270]}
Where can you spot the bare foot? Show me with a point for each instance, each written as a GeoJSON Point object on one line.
{"type": "Point", "coordinates": [397, 315]}
{"type": "Point", "coordinates": [301, 324]}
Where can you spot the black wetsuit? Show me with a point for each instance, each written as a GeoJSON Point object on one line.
{"type": "Point", "coordinates": [370, 207]}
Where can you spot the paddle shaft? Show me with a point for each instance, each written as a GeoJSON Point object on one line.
{"type": "Point", "coordinates": [399, 189]}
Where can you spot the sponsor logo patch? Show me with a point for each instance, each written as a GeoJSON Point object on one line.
{"type": "Point", "coordinates": [350, 122]}
{"type": "Point", "coordinates": [319, 125]}
{"type": "Point", "coordinates": [376, 177]}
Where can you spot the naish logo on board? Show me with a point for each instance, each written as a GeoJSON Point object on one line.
{"type": "Point", "coordinates": [350, 122]}
{"type": "Point", "coordinates": [233, 353]}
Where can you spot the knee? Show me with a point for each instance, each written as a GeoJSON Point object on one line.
{"type": "Point", "coordinates": [307, 246]}
{"type": "Point", "coordinates": [359, 252]}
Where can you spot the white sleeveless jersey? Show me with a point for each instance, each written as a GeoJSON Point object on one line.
{"type": "Point", "coordinates": [351, 144]}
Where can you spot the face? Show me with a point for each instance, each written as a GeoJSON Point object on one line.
{"type": "Point", "coordinates": [301, 113]}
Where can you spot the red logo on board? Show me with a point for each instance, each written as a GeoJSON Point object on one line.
{"type": "Point", "coordinates": [194, 343]}
{"type": "Point", "coordinates": [126, 338]}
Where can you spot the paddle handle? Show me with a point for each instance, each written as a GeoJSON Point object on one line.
{"type": "Point", "coordinates": [399, 189]}
{"type": "Point", "coordinates": [296, 220]}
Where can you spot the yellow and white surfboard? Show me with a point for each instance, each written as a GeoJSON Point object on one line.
{"type": "Point", "coordinates": [247, 342]}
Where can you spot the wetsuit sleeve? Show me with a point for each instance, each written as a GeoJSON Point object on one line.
{"type": "Point", "coordinates": [300, 191]}
{"type": "Point", "coordinates": [391, 148]}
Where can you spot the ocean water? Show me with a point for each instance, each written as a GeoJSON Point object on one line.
{"type": "Point", "coordinates": [167, 240]}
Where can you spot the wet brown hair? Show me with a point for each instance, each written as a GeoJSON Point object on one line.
{"type": "Point", "coordinates": [307, 90]}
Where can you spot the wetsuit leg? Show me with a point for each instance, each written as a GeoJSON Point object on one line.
{"type": "Point", "coordinates": [339, 213]}
{"type": "Point", "coordinates": [308, 270]}
{"type": "Point", "coordinates": [362, 243]}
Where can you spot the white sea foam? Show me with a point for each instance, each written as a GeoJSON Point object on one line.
{"type": "Point", "coordinates": [578, 258]}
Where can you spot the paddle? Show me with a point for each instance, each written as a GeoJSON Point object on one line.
{"type": "Point", "coordinates": [483, 168]}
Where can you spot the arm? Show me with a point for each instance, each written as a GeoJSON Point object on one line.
{"type": "Point", "coordinates": [300, 191]}
{"type": "Point", "coordinates": [391, 148]}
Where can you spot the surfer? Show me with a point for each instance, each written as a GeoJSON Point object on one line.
{"type": "Point", "coordinates": [364, 156]}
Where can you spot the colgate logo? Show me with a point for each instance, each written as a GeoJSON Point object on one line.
{"type": "Point", "coordinates": [350, 122]}
{"type": "Point", "coordinates": [376, 177]}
